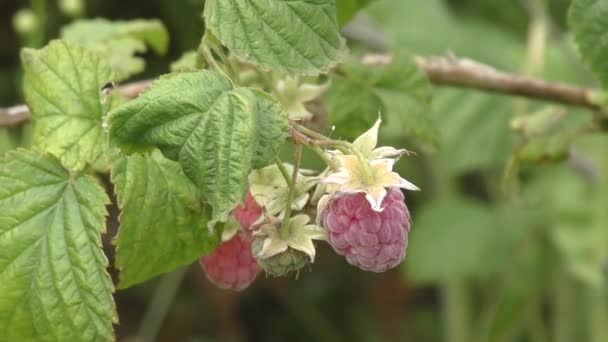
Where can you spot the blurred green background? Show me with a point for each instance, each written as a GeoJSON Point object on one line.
{"type": "Point", "coordinates": [510, 231]}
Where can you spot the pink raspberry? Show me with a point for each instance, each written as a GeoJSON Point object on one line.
{"type": "Point", "coordinates": [249, 212]}
{"type": "Point", "coordinates": [371, 240]}
{"type": "Point", "coordinates": [231, 265]}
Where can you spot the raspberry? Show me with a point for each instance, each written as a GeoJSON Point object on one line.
{"type": "Point", "coordinates": [248, 213]}
{"type": "Point", "coordinates": [280, 264]}
{"type": "Point", "coordinates": [231, 265]}
{"type": "Point", "coordinates": [371, 240]}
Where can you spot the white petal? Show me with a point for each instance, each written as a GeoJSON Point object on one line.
{"type": "Point", "coordinates": [376, 202]}
{"type": "Point", "coordinates": [388, 163]}
{"type": "Point", "coordinates": [299, 221]}
{"type": "Point", "coordinates": [272, 246]}
{"type": "Point", "coordinates": [337, 178]}
{"type": "Point", "coordinates": [321, 206]}
{"type": "Point", "coordinates": [387, 152]}
{"type": "Point", "coordinates": [405, 184]}
{"type": "Point", "coordinates": [368, 140]}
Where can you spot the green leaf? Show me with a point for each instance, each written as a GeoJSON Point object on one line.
{"type": "Point", "coordinates": [187, 62]}
{"type": "Point", "coordinates": [548, 133]}
{"type": "Point", "coordinates": [579, 211]}
{"type": "Point", "coordinates": [118, 41]}
{"type": "Point", "coordinates": [352, 106]}
{"type": "Point", "coordinates": [400, 92]}
{"type": "Point", "coordinates": [216, 132]}
{"type": "Point", "coordinates": [455, 238]}
{"type": "Point", "coordinates": [467, 119]}
{"type": "Point", "coordinates": [53, 280]}
{"type": "Point", "coordinates": [346, 9]}
{"type": "Point", "coordinates": [62, 88]}
{"type": "Point", "coordinates": [297, 37]}
{"type": "Point", "coordinates": [162, 224]}
{"type": "Point", "coordinates": [8, 140]}
{"type": "Point", "coordinates": [588, 20]}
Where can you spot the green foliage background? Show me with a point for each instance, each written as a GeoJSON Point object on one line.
{"type": "Point", "coordinates": [509, 240]}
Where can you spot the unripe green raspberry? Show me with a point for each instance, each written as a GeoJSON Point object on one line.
{"type": "Point", "coordinates": [72, 8]}
{"type": "Point", "coordinates": [280, 264]}
{"type": "Point", "coordinates": [25, 21]}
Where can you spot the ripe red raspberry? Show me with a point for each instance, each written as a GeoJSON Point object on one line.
{"type": "Point", "coordinates": [231, 265]}
{"type": "Point", "coordinates": [371, 240]}
{"type": "Point", "coordinates": [247, 213]}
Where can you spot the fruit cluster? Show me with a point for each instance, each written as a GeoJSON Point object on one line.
{"type": "Point", "coordinates": [360, 209]}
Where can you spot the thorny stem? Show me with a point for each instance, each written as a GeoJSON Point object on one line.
{"type": "Point", "coordinates": [443, 71]}
{"type": "Point", "coordinates": [292, 189]}
{"type": "Point", "coordinates": [319, 151]}
{"type": "Point", "coordinates": [283, 170]}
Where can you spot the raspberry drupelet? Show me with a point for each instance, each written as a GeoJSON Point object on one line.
{"type": "Point", "coordinates": [371, 240]}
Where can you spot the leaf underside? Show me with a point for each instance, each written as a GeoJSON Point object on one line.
{"type": "Point", "coordinates": [162, 224]}
{"type": "Point", "coordinates": [53, 280]}
{"type": "Point", "coordinates": [216, 132]}
{"type": "Point", "coordinates": [62, 88]}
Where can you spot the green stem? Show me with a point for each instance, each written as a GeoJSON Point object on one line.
{"type": "Point", "coordinates": [456, 311]}
{"type": "Point", "coordinates": [343, 146]}
{"type": "Point", "coordinates": [37, 38]}
{"type": "Point", "coordinates": [564, 307]}
{"type": "Point", "coordinates": [596, 313]}
{"type": "Point", "coordinates": [537, 330]}
{"type": "Point", "coordinates": [283, 170]}
{"type": "Point", "coordinates": [319, 151]}
{"type": "Point", "coordinates": [292, 190]}
{"type": "Point", "coordinates": [160, 304]}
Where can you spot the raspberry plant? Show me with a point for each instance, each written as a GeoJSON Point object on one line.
{"type": "Point", "coordinates": [194, 157]}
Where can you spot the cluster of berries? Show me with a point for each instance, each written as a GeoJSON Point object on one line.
{"type": "Point", "coordinates": [362, 215]}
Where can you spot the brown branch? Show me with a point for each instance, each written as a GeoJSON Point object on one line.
{"type": "Point", "coordinates": [466, 73]}
{"type": "Point", "coordinates": [442, 71]}
{"type": "Point", "coordinates": [21, 113]}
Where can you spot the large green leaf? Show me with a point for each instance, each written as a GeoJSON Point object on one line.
{"type": "Point", "coordinates": [297, 37]}
{"type": "Point", "coordinates": [62, 88]}
{"type": "Point", "coordinates": [474, 130]}
{"type": "Point", "coordinates": [118, 41]}
{"type": "Point", "coordinates": [579, 210]}
{"type": "Point", "coordinates": [400, 92]}
{"type": "Point", "coordinates": [162, 223]}
{"type": "Point", "coordinates": [353, 107]}
{"type": "Point", "coordinates": [346, 9]}
{"type": "Point", "coordinates": [53, 280]}
{"type": "Point", "coordinates": [218, 133]}
{"type": "Point", "coordinates": [8, 140]}
{"type": "Point", "coordinates": [458, 238]}
{"type": "Point", "coordinates": [588, 19]}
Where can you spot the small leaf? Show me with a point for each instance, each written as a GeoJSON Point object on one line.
{"type": "Point", "coordinates": [162, 224]}
{"type": "Point", "coordinates": [62, 85]}
{"type": "Point", "coordinates": [296, 37]}
{"type": "Point", "coordinates": [216, 132]}
{"type": "Point", "coordinates": [53, 280]}
{"type": "Point", "coordinates": [118, 41]}
{"type": "Point", "coordinates": [549, 133]}
{"type": "Point", "coordinates": [588, 20]}
{"type": "Point", "coordinates": [400, 92]}
{"type": "Point", "coordinates": [352, 106]}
